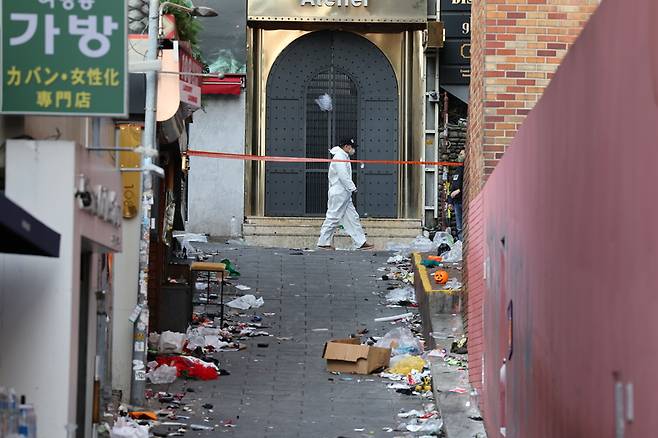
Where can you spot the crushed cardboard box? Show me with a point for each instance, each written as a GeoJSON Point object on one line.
{"type": "Point", "coordinates": [349, 356]}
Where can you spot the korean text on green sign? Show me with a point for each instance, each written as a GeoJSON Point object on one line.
{"type": "Point", "coordinates": [64, 57]}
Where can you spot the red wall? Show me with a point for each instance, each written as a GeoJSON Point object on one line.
{"type": "Point", "coordinates": [575, 201]}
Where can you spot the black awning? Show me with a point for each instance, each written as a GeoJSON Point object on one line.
{"type": "Point", "coordinates": [22, 233]}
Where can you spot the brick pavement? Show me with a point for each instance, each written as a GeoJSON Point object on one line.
{"type": "Point", "coordinates": [284, 390]}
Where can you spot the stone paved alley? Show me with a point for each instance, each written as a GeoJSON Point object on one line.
{"type": "Point", "coordinates": [284, 390]}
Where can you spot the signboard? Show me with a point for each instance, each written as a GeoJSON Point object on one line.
{"type": "Point", "coordinates": [64, 57]}
{"type": "Point", "coordinates": [359, 11]}
{"type": "Point", "coordinates": [455, 56]}
{"type": "Point", "coordinates": [456, 6]}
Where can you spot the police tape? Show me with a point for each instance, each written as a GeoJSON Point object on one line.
{"type": "Point", "coordinates": [275, 159]}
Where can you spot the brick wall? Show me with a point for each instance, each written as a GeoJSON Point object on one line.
{"type": "Point", "coordinates": [517, 45]}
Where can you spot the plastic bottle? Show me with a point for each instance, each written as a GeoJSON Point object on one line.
{"type": "Point", "coordinates": [12, 415]}
{"type": "Point", "coordinates": [235, 227]}
{"type": "Point", "coordinates": [4, 411]}
{"type": "Point", "coordinates": [27, 423]}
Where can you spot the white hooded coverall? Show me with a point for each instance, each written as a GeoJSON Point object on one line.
{"type": "Point", "coordinates": [340, 209]}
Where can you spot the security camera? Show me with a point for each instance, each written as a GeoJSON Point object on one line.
{"type": "Point", "coordinates": [433, 96]}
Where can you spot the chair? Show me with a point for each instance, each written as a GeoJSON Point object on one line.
{"type": "Point", "coordinates": [208, 268]}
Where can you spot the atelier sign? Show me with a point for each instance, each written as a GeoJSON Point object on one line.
{"type": "Point", "coordinates": [339, 11]}
{"type": "Point", "coordinates": [338, 3]}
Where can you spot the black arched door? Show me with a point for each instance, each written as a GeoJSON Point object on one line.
{"type": "Point", "coordinates": [364, 97]}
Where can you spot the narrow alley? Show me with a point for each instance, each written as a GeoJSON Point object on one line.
{"type": "Point", "coordinates": [279, 385]}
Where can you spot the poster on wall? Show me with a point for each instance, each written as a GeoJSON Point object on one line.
{"type": "Point", "coordinates": [223, 39]}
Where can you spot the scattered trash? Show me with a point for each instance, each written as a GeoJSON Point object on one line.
{"type": "Point", "coordinates": [401, 295]}
{"type": "Point", "coordinates": [170, 342]}
{"type": "Point", "coordinates": [161, 375]}
{"type": "Point", "coordinates": [185, 240]}
{"type": "Point", "coordinates": [232, 272]}
{"type": "Point", "coordinates": [453, 284]}
{"type": "Point", "coordinates": [191, 367]}
{"type": "Point", "coordinates": [320, 330]}
{"type": "Point", "coordinates": [350, 356]}
{"type": "Point", "coordinates": [431, 426]}
{"type": "Point", "coordinates": [401, 341]}
{"type": "Point", "coordinates": [197, 427]}
{"type": "Point", "coordinates": [143, 415]}
{"type": "Point", "coordinates": [406, 364]}
{"type": "Point", "coordinates": [246, 302]}
{"type": "Point", "coordinates": [459, 390]}
{"type": "Point", "coordinates": [242, 287]}
{"type": "Point", "coordinates": [454, 255]}
{"type": "Point", "coordinates": [394, 318]}
{"type": "Point", "coordinates": [127, 428]}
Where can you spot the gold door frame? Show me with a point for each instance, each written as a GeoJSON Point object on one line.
{"type": "Point", "coordinates": [404, 51]}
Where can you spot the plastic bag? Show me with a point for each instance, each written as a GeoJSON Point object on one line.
{"type": "Point", "coordinates": [194, 339]}
{"type": "Point", "coordinates": [452, 284]}
{"type": "Point", "coordinates": [246, 302]}
{"type": "Point", "coordinates": [405, 364]}
{"type": "Point", "coordinates": [325, 103]}
{"type": "Point", "coordinates": [126, 428]}
{"type": "Point", "coordinates": [185, 238]}
{"type": "Point", "coordinates": [443, 237]}
{"type": "Point", "coordinates": [432, 426]}
{"type": "Point", "coordinates": [162, 375]}
{"type": "Point", "coordinates": [400, 341]}
{"type": "Point", "coordinates": [191, 367]}
{"type": "Point", "coordinates": [171, 342]}
{"type": "Point", "coordinates": [400, 295]}
{"type": "Point", "coordinates": [454, 255]}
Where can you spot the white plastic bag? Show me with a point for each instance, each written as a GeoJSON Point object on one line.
{"type": "Point", "coordinates": [454, 255]}
{"type": "Point", "coordinates": [325, 103]}
{"type": "Point", "coordinates": [164, 374]}
{"type": "Point", "coordinates": [185, 238]}
{"type": "Point", "coordinates": [401, 295]}
{"type": "Point", "coordinates": [246, 302]}
{"type": "Point", "coordinates": [452, 284]}
{"type": "Point", "coordinates": [443, 237]}
{"type": "Point", "coordinates": [126, 428]}
{"type": "Point", "coordinates": [171, 342]}
{"type": "Point", "coordinates": [401, 341]}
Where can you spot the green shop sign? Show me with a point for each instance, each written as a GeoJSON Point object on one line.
{"type": "Point", "coordinates": [64, 57]}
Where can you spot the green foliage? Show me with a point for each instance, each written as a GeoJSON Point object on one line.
{"type": "Point", "coordinates": [188, 27]}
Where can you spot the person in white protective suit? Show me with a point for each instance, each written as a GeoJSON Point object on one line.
{"type": "Point", "coordinates": [340, 208]}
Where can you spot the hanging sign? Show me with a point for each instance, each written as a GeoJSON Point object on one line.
{"type": "Point", "coordinates": [64, 57]}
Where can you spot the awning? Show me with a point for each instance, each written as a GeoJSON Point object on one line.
{"type": "Point", "coordinates": [21, 233]}
{"type": "Point", "coordinates": [229, 85]}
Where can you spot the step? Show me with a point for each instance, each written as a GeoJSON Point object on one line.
{"type": "Point", "coordinates": [295, 232]}
{"type": "Point", "coordinates": [317, 221]}
{"type": "Point", "coordinates": [303, 230]}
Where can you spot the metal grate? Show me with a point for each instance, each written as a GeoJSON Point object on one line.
{"type": "Point", "coordinates": [324, 129]}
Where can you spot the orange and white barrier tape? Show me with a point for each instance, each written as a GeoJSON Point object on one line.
{"type": "Point", "coordinates": [244, 157]}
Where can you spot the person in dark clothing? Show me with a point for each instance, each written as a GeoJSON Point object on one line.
{"type": "Point", "coordinates": [456, 188]}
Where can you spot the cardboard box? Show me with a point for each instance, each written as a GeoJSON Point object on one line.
{"type": "Point", "coordinates": [349, 356]}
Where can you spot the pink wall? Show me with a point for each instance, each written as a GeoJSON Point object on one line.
{"type": "Point", "coordinates": [575, 201]}
{"type": "Point", "coordinates": [475, 265]}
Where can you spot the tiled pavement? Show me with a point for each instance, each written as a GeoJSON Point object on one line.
{"type": "Point", "coordinates": [284, 390]}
